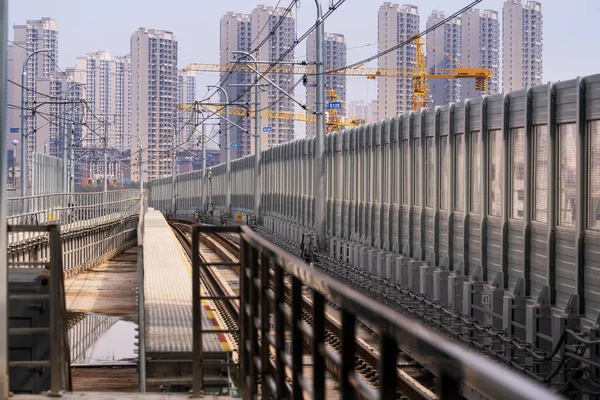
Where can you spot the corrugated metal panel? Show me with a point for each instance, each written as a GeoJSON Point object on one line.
{"type": "Point", "coordinates": [458, 239]}
{"type": "Point", "coordinates": [494, 247]}
{"type": "Point", "coordinates": [416, 123]}
{"type": "Point", "coordinates": [475, 115]}
{"type": "Point", "coordinates": [592, 96]}
{"type": "Point", "coordinates": [538, 258]}
{"type": "Point", "coordinates": [444, 171]}
{"type": "Point", "coordinates": [405, 127]}
{"type": "Point", "coordinates": [474, 242]}
{"type": "Point", "coordinates": [565, 266]}
{"type": "Point", "coordinates": [515, 252]}
{"type": "Point", "coordinates": [591, 278]}
{"type": "Point", "coordinates": [405, 227]}
{"type": "Point", "coordinates": [517, 104]}
{"type": "Point", "coordinates": [443, 234]}
{"type": "Point", "coordinates": [429, 121]}
{"type": "Point", "coordinates": [444, 113]}
{"type": "Point", "coordinates": [566, 101]}
{"type": "Point", "coordinates": [416, 231]}
{"type": "Point", "coordinates": [459, 118]}
{"type": "Point", "coordinates": [429, 232]}
{"type": "Point", "coordinates": [539, 105]}
{"type": "Point", "coordinates": [495, 108]}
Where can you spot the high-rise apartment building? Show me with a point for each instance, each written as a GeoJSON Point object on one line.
{"type": "Point", "coordinates": [120, 103]}
{"type": "Point", "coordinates": [522, 44]}
{"type": "Point", "coordinates": [107, 93]}
{"type": "Point", "coordinates": [236, 35]}
{"type": "Point", "coordinates": [32, 36]}
{"type": "Point", "coordinates": [186, 93]}
{"type": "Point", "coordinates": [443, 55]}
{"type": "Point", "coordinates": [396, 23]}
{"type": "Point", "coordinates": [366, 110]}
{"type": "Point", "coordinates": [481, 49]}
{"type": "Point", "coordinates": [274, 131]}
{"type": "Point", "coordinates": [93, 71]}
{"type": "Point", "coordinates": [334, 57]}
{"type": "Point", "coordinates": [154, 98]}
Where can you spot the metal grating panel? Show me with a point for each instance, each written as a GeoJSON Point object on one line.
{"type": "Point", "coordinates": [475, 165]}
{"type": "Point", "coordinates": [540, 173]}
{"type": "Point", "coordinates": [430, 172]}
{"type": "Point", "coordinates": [444, 168]}
{"type": "Point", "coordinates": [567, 181]}
{"type": "Point", "coordinates": [594, 175]}
{"type": "Point", "coordinates": [417, 172]}
{"type": "Point", "coordinates": [459, 164]}
{"type": "Point", "coordinates": [168, 293]}
{"type": "Point", "coordinates": [495, 173]}
{"type": "Point", "coordinates": [517, 172]}
{"type": "Point", "coordinates": [406, 174]}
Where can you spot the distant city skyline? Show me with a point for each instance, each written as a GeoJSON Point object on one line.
{"type": "Point", "coordinates": [80, 34]}
{"type": "Point", "coordinates": [358, 88]}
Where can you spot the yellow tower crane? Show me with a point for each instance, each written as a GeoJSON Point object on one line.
{"type": "Point", "coordinates": [420, 88]}
{"type": "Point", "coordinates": [418, 74]}
{"type": "Point", "coordinates": [333, 121]}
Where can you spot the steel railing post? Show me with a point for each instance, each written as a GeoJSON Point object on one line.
{"type": "Point", "coordinates": [320, 204]}
{"type": "Point", "coordinates": [3, 209]}
{"type": "Point", "coordinates": [55, 314]}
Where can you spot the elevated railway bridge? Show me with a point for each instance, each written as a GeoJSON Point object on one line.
{"type": "Point", "coordinates": [461, 261]}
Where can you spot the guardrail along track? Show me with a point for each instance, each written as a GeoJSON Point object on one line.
{"type": "Point", "coordinates": [413, 382]}
{"type": "Point", "coordinates": [227, 309]}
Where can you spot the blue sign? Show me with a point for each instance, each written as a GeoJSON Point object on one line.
{"type": "Point", "coordinates": [145, 171]}
{"type": "Point", "coordinates": [14, 130]}
{"type": "Point", "coordinates": [178, 162]}
{"type": "Point", "coordinates": [334, 105]}
{"type": "Point", "coordinates": [209, 155]}
{"type": "Point", "coordinates": [234, 144]}
{"type": "Point", "coordinates": [267, 129]}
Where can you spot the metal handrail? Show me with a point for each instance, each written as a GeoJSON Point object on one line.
{"type": "Point", "coordinates": [58, 362]}
{"type": "Point", "coordinates": [197, 272]}
{"type": "Point", "coordinates": [454, 364]}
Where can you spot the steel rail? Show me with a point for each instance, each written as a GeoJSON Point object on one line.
{"type": "Point", "coordinates": [367, 359]}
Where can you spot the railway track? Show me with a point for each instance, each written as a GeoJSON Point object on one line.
{"type": "Point", "coordinates": [413, 382]}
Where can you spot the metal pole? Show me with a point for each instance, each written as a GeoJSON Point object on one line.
{"type": "Point", "coordinates": [173, 174]}
{"type": "Point", "coordinates": [3, 234]}
{"type": "Point", "coordinates": [320, 207]}
{"type": "Point", "coordinates": [24, 116]}
{"type": "Point", "coordinates": [71, 158]}
{"type": "Point", "coordinates": [257, 150]}
{"type": "Point", "coordinates": [15, 142]}
{"type": "Point", "coordinates": [204, 183]}
{"type": "Point", "coordinates": [227, 152]}
{"type": "Point", "coordinates": [105, 155]}
{"type": "Point", "coordinates": [68, 152]}
{"type": "Point", "coordinates": [140, 164]}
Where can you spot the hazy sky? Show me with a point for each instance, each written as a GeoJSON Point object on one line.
{"type": "Point", "coordinates": [570, 29]}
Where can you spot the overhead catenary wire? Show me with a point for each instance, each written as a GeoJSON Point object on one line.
{"type": "Point", "coordinates": [332, 8]}
{"type": "Point", "coordinates": [405, 42]}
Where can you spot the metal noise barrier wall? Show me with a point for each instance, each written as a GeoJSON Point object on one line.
{"type": "Point", "coordinates": [490, 206]}
{"type": "Point", "coordinates": [93, 226]}
{"type": "Point", "coordinates": [46, 174]}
